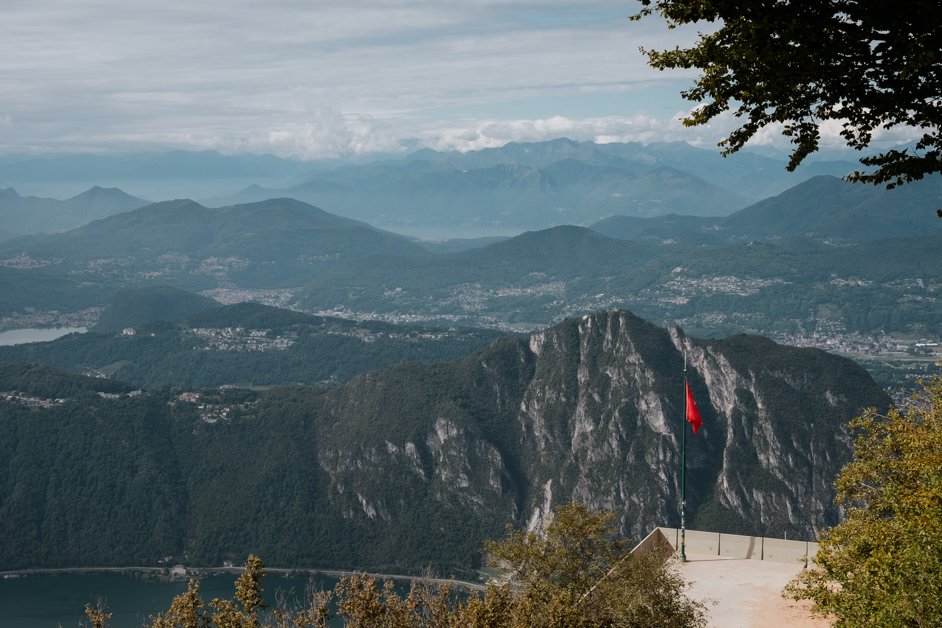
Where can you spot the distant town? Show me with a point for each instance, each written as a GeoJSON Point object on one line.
{"type": "Point", "coordinates": [211, 410]}
{"type": "Point", "coordinates": [32, 401]}
{"type": "Point", "coordinates": [903, 358]}
{"type": "Point", "coordinates": [824, 334]}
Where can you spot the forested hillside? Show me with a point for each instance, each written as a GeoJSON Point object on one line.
{"type": "Point", "coordinates": [245, 343]}
{"type": "Point", "coordinates": [416, 465]}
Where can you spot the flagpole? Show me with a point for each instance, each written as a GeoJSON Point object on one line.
{"type": "Point", "coordinates": [683, 468]}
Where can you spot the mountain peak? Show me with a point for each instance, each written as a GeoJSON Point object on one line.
{"type": "Point", "coordinates": [98, 193]}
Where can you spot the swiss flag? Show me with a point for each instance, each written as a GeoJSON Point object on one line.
{"type": "Point", "coordinates": [693, 415]}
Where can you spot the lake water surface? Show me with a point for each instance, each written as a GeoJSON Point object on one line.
{"type": "Point", "coordinates": [22, 336]}
{"type": "Point", "coordinates": [59, 600]}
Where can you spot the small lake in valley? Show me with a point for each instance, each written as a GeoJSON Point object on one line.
{"type": "Point", "coordinates": [36, 334]}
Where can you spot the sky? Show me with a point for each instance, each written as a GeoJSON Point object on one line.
{"type": "Point", "coordinates": [321, 79]}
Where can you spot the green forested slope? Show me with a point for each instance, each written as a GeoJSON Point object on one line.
{"type": "Point", "coordinates": [314, 348]}
{"type": "Point", "coordinates": [415, 465]}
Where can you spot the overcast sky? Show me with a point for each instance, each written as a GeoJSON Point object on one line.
{"type": "Point", "coordinates": [314, 78]}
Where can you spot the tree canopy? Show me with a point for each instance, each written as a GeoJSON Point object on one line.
{"type": "Point", "coordinates": [577, 573]}
{"type": "Point", "coordinates": [881, 566]}
{"type": "Point", "coordinates": [868, 64]}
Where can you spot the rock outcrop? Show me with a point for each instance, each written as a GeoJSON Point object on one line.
{"type": "Point", "coordinates": [592, 410]}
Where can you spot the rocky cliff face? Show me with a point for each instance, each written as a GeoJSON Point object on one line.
{"type": "Point", "coordinates": [592, 410]}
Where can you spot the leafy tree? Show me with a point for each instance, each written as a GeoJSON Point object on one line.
{"type": "Point", "coordinates": [868, 64]}
{"type": "Point", "coordinates": [188, 610]}
{"type": "Point", "coordinates": [881, 566]}
{"type": "Point", "coordinates": [97, 616]}
{"type": "Point", "coordinates": [579, 574]}
{"type": "Point", "coordinates": [315, 614]}
{"type": "Point", "coordinates": [364, 606]}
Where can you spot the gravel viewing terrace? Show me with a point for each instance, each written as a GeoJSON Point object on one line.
{"type": "Point", "coordinates": [740, 578]}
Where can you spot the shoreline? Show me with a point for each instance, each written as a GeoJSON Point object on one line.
{"type": "Point", "coordinates": [202, 572]}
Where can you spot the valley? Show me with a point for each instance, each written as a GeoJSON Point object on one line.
{"type": "Point", "coordinates": [409, 399]}
{"type": "Point", "coordinates": [517, 295]}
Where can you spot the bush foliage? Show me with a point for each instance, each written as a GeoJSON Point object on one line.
{"type": "Point", "coordinates": [881, 566]}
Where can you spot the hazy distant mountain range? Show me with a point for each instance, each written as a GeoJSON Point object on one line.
{"type": "Point", "coordinates": [823, 209]}
{"type": "Point", "coordinates": [21, 215]}
{"type": "Point", "coordinates": [536, 185]}
{"type": "Point", "coordinates": [276, 243]}
{"type": "Point", "coordinates": [177, 164]}
{"type": "Point", "coordinates": [569, 192]}
{"type": "Point", "coordinates": [519, 186]}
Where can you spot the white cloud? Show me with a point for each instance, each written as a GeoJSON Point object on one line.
{"type": "Point", "coordinates": [771, 135]}
{"type": "Point", "coordinates": [881, 138]}
{"type": "Point", "coordinates": [329, 135]}
{"type": "Point", "coordinates": [492, 133]}
{"type": "Point", "coordinates": [319, 79]}
{"type": "Point", "coordinates": [248, 74]}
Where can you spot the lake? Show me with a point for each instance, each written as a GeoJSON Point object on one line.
{"type": "Point", "coordinates": [54, 600]}
{"type": "Point", "coordinates": [436, 233]}
{"type": "Point", "coordinates": [45, 334]}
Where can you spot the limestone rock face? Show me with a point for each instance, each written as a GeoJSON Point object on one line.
{"type": "Point", "coordinates": [592, 410]}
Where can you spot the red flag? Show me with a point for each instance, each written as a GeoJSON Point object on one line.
{"type": "Point", "coordinates": [693, 415]}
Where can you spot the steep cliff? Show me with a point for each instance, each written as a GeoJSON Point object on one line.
{"type": "Point", "coordinates": [591, 410]}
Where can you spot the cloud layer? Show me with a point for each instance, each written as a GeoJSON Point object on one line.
{"type": "Point", "coordinates": [327, 78]}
